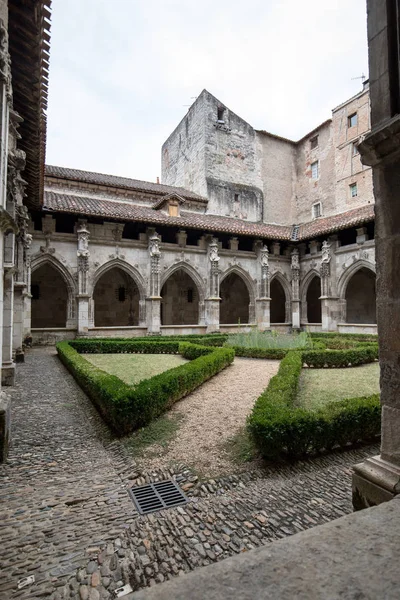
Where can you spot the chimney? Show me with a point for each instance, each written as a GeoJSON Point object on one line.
{"type": "Point", "coordinates": [158, 180]}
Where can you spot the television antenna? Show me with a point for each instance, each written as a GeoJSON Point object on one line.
{"type": "Point", "coordinates": [362, 77]}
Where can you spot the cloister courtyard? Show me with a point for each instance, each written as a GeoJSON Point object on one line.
{"type": "Point", "coordinates": [67, 518]}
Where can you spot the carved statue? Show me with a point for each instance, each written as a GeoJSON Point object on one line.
{"type": "Point", "coordinates": [264, 256]}
{"type": "Point", "coordinates": [295, 262]}
{"type": "Point", "coordinates": [326, 252]}
{"type": "Point", "coordinates": [214, 258]}
{"type": "Point", "coordinates": [154, 245]}
{"type": "Point", "coordinates": [83, 240]}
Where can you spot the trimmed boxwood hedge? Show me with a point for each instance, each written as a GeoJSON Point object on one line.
{"type": "Point", "coordinates": [280, 428]}
{"type": "Point", "coordinates": [126, 407]}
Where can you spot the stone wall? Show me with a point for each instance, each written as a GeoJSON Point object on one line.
{"type": "Point", "coordinates": [184, 288]}
{"type": "Point", "coordinates": [348, 165]}
{"type": "Point", "coordinates": [309, 191]}
{"type": "Point", "coordinates": [277, 160]}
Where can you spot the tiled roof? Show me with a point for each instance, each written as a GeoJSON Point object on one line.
{"type": "Point", "coordinates": [326, 225]}
{"type": "Point", "coordinates": [120, 182]}
{"type": "Point", "coordinates": [124, 211]}
{"type": "Point", "coordinates": [29, 47]}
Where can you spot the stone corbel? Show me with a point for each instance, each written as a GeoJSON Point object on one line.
{"type": "Point", "coordinates": [382, 144]}
{"type": "Point", "coordinates": [7, 223]}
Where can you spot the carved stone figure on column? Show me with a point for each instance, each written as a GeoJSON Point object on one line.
{"type": "Point", "coordinates": [83, 258]}
{"type": "Point", "coordinates": [155, 254]}
{"type": "Point", "coordinates": [295, 268]}
{"type": "Point", "coordinates": [214, 275]}
{"type": "Point", "coordinates": [325, 269]}
{"type": "Point", "coordinates": [264, 259]}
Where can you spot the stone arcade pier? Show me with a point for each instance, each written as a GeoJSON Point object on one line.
{"type": "Point", "coordinates": [378, 479]}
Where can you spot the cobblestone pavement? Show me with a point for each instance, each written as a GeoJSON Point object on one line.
{"type": "Point", "coordinates": [66, 518]}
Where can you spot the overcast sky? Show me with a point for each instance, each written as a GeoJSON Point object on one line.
{"type": "Point", "coordinates": [123, 71]}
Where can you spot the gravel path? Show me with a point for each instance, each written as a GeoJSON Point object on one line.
{"type": "Point", "coordinates": [214, 413]}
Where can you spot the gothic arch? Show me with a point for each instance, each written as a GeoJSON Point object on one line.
{"type": "Point", "coordinates": [42, 259]}
{"type": "Point", "coordinates": [349, 272]}
{"type": "Point", "coordinates": [283, 313]}
{"type": "Point", "coordinates": [124, 266]}
{"type": "Point", "coordinates": [191, 271]}
{"type": "Point", "coordinates": [182, 291]}
{"type": "Point", "coordinates": [306, 282]}
{"type": "Point", "coordinates": [55, 308]}
{"type": "Point", "coordinates": [243, 275]}
{"type": "Point", "coordinates": [233, 307]}
{"type": "Point", "coordinates": [311, 311]}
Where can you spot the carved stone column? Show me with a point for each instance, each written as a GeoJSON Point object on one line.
{"type": "Point", "coordinates": [213, 300]}
{"type": "Point", "coordinates": [330, 309]}
{"type": "Point", "coordinates": [295, 268]}
{"type": "Point", "coordinates": [153, 301]}
{"type": "Point", "coordinates": [23, 241]}
{"type": "Point", "coordinates": [83, 296]}
{"type": "Point", "coordinates": [263, 303]}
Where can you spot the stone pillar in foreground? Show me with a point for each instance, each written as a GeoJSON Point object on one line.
{"type": "Point", "coordinates": [83, 297]}
{"type": "Point", "coordinates": [378, 479]}
{"type": "Point", "coordinates": [295, 268]}
{"type": "Point", "coordinates": [153, 301]}
{"type": "Point", "coordinates": [212, 303]}
{"type": "Point", "coordinates": [263, 303]}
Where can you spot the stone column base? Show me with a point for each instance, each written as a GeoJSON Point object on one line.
{"type": "Point", "coordinates": [330, 313]}
{"type": "Point", "coordinates": [374, 481]}
{"type": "Point", "coordinates": [212, 314]}
{"type": "Point", "coordinates": [263, 313]}
{"type": "Point", "coordinates": [83, 315]}
{"type": "Point", "coordinates": [8, 374]}
{"type": "Point", "coordinates": [5, 425]}
{"type": "Point", "coordinates": [295, 314]}
{"type": "Point", "coordinates": [153, 315]}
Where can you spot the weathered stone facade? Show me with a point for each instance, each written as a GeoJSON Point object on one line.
{"type": "Point", "coordinates": [236, 247]}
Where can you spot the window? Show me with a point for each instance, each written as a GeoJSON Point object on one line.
{"type": "Point", "coordinates": [354, 149]}
{"type": "Point", "coordinates": [35, 291]}
{"type": "Point", "coordinates": [314, 142]}
{"type": "Point", "coordinates": [317, 210]}
{"type": "Point", "coordinates": [236, 197]}
{"type": "Point", "coordinates": [121, 294]}
{"type": "Point", "coordinates": [220, 114]}
{"type": "Point", "coordinates": [353, 190]}
{"type": "Point", "coordinates": [190, 295]}
{"type": "Point", "coordinates": [352, 120]}
{"type": "Point", "coordinates": [314, 170]}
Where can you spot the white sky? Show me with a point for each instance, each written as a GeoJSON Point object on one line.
{"type": "Point", "coordinates": [122, 71]}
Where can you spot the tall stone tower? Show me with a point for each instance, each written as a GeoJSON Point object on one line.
{"type": "Point", "coordinates": [214, 152]}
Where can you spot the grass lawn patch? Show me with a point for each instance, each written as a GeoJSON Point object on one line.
{"type": "Point", "coordinates": [133, 368]}
{"type": "Point", "coordinates": [154, 438]}
{"type": "Point", "coordinates": [241, 447]}
{"type": "Point", "coordinates": [317, 387]}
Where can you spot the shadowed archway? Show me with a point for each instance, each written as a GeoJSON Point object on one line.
{"type": "Point", "coordinates": [116, 299]}
{"type": "Point", "coordinates": [235, 300]}
{"type": "Point", "coordinates": [360, 297]}
{"type": "Point", "coordinates": [314, 313]}
{"type": "Point", "coordinates": [180, 300]}
{"type": "Point", "coordinates": [50, 295]}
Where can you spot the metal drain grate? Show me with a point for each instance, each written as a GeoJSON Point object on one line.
{"type": "Point", "coordinates": [156, 496]}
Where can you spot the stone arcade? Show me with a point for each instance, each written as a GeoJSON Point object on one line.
{"type": "Point", "coordinates": [249, 229]}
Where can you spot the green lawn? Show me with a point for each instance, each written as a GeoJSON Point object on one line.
{"type": "Point", "coordinates": [319, 386]}
{"type": "Point", "coordinates": [132, 368]}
